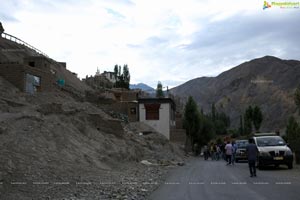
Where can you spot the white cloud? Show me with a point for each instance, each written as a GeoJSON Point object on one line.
{"type": "Point", "coordinates": [168, 41]}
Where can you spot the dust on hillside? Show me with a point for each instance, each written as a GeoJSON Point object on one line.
{"type": "Point", "coordinates": [54, 146]}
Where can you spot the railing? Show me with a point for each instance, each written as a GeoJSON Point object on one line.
{"type": "Point", "coordinates": [21, 42]}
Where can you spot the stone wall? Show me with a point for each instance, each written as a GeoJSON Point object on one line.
{"type": "Point", "coordinates": [16, 74]}
{"type": "Point", "coordinates": [127, 108]}
{"type": "Point", "coordinates": [38, 61]}
{"type": "Point", "coordinates": [178, 136]}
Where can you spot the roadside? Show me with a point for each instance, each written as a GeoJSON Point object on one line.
{"type": "Point", "coordinates": [133, 181]}
{"type": "Point", "coordinates": [200, 179]}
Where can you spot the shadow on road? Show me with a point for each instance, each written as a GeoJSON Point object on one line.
{"type": "Point", "coordinates": [273, 168]}
{"type": "Point", "coordinates": [269, 168]}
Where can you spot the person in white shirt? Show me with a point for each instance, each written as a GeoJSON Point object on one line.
{"type": "Point", "coordinates": [228, 151]}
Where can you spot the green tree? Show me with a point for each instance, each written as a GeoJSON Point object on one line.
{"type": "Point", "coordinates": [213, 112]}
{"type": "Point", "coordinates": [220, 121]}
{"type": "Point", "coordinates": [159, 90]}
{"type": "Point", "coordinates": [119, 71]}
{"type": "Point", "coordinates": [257, 118]}
{"type": "Point", "coordinates": [249, 112]}
{"type": "Point", "coordinates": [126, 77]}
{"type": "Point", "coordinates": [122, 78]}
{"type": "Point", "coordinates": [206, 131]}
{"type": "Point", "coordinates": [116, 71]}
{"type": "Point", "coordinates": [241, 128]}
{"type": "Point", "coordinates": [219, 127]}
{"type": "Point", "coordinates": [219, 140]}
{"type": "Point", "coordinates": [248, 120]}
{"type": "Point", "coordinates": [252, 117]}
{"type": "Point", "coordinates": [293, 128]}
{"type": "Point", "coordinates": [191, 121]}
{"type": "Point", "coordinates": [293, 136]}
{"type": "Point", "coordinates": [297, 98]}
{"type": "Point", "coordinates": [201, 111]}
{"type": "Point", "coordinates": [247, 126]}
{"type": "Point", "coordinates": [224, 118]}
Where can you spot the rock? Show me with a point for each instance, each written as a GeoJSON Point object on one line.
{"type": "Point", "coordinates": [146, 162]}
{"type": "Point", "coordinates": [164, 162]}
{"type": "Point", "coordinates": [2, 130]}
{"type": "Point", "coordinates": [10, 165]}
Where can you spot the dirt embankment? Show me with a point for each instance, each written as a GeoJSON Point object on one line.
{"type": "Point", "coordinates": [53, 147]}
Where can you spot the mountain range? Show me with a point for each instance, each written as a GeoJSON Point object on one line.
{"type": "Point", "coordinates": [143, 87]}
{"type": "Point", "coordinates": [267, 82]}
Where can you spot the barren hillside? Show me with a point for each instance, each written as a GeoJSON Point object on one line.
{"type": "Point", "coordinates": [268, 82]}
{"type": "Point", "coordinates": [56, 146]}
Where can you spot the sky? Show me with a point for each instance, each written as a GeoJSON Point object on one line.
{"type": "Point", "coordinates": [160, 40]}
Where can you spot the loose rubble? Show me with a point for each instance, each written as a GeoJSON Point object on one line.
{"type": "Point", "coordinates": [56, 147]}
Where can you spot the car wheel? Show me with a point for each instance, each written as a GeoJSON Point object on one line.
{"type": "Point", "coordinates": [276, 165]}
{"type": "Point", "coordinates": [290, 165]}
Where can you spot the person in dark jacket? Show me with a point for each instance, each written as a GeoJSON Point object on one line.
{"type": "Point", "coordinates": [252, 151]}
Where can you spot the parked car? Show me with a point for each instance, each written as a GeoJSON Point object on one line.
{"type": "Point", "coordinates": [241, 150]}
{"type": "Point", "coordinates": [273, 150]}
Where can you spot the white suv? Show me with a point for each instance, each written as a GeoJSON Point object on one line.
{"type": "Point", "coordinates": [273, 151]}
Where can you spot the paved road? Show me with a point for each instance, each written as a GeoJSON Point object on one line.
{"type": "Point", "coordinates": [206, 180]}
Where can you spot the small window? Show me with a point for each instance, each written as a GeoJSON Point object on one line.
{"type": "Point", "coordinates": [33, 83]}
{"type": "Point", "coordinates": [32, 64]}
{"type": "Point", "coordinates": [133, 111]}
{"type": "Point", "coordinates": [118, 96]}
{"type": "Point", "coordinates": [37, 81]}
{"type": "Point", "coordinates": [152, 111]}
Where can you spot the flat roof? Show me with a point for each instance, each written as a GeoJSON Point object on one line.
{"type": "Point", "coordinates": [157, 100]}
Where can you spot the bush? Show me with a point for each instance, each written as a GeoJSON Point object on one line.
{"type": "Point", "coordinates": [234, 133]}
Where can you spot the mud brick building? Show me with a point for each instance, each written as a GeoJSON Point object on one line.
{"type": "Point", "coordinates": [33, 75]}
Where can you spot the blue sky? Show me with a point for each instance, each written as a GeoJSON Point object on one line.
{"type": "Point", "coordinates": [160, 40]}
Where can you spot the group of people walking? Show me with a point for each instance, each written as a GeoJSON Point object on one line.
{"type": "Point", "coordinates": [227, 152]}
{"type": "Point", "coordinates": [213, 151]}
{"type": "Point", "coordinates": [224, 151]}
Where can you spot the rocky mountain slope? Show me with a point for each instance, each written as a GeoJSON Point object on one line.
{"type": "Point", "coordinates": [268, 82]}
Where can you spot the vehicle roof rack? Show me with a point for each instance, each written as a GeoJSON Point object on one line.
{"type": "Point", "coordinates": [264, 134]}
